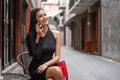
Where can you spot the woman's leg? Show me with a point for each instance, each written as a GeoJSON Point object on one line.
{"type": "Point", "coordinates": [54, 73]}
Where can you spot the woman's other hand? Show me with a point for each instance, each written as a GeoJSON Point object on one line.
{"type": "Point", "coordinates": [41, 68]}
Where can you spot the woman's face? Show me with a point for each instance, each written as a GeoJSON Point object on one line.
{"type": "Point", "coordinates": [42, 17]}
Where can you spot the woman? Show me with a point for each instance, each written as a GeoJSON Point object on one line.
{"type": "Point", "coordinates": [42, 44]}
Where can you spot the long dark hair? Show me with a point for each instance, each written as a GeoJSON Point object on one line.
{"type": "Point", "coordinates": [31, 36]}
{"type": "Point", "coordinates": [33, 21]}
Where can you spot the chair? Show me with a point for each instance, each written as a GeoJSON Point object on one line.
{"type": "Point", "coordinates": [24, 60]}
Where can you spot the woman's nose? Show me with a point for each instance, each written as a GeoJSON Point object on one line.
{"type": "Point", "coordinates": [45, 17]}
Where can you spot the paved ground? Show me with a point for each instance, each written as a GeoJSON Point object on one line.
{"type": "Point", "coordinates": [82, 66]}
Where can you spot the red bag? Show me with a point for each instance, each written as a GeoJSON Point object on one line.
{"type": "Point", "coordinates": [63, 67]}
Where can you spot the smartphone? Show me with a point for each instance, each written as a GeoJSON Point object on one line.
{"type": "Point", "coordinates": [40, 26]}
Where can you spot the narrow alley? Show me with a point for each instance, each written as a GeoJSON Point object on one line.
{"type": "Point", "coordinates": [82, 66]}
{"type": "Point", "coordinates": [85, 25]}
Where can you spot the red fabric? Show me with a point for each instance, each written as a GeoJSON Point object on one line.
{"type": "Point", "coordinates": [63, 67]}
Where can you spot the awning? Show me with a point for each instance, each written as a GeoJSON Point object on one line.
{"type": "Point", "coordinates": [82, 5]}
{"type": "Point", "coordinates": [67, 23]}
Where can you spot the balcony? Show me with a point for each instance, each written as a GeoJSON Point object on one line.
{"type": "Point", "coordinates": [79, 6]}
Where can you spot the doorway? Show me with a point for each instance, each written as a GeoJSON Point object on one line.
{"type": "Point", "coordinates": [91, 31]}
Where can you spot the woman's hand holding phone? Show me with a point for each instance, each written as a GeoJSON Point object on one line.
{"type": "Point", "coordinates": [39, 29]}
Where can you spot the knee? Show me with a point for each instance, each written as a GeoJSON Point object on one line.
{"type": "Point", "coordinates": [57, 70]}
{"type": "Point", "coordinates": [54, 72]}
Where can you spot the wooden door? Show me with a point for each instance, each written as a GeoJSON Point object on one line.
{"type": "Point", "coordinates": [72, 34]}
{"type": "Point", "coordinates": [88, 32]}
{"type": "Point", "coordinates": [83, 22]}
{"type": "Point", "coordinates": [96, 32]}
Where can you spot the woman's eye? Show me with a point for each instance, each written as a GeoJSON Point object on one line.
{"type": "Point", "coordinates": [45, 14]}
{"type": "Point", "coordinates": [40, 16]}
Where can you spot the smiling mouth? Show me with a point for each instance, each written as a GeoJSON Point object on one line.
{"type": "Point", "coordinates": [45, 21]}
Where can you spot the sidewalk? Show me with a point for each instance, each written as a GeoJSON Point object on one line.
{"type": "Point", "coordinates": [82, 66]}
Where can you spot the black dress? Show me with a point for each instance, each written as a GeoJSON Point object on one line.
{"type": "Point", "coordinates": [41, 53]}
